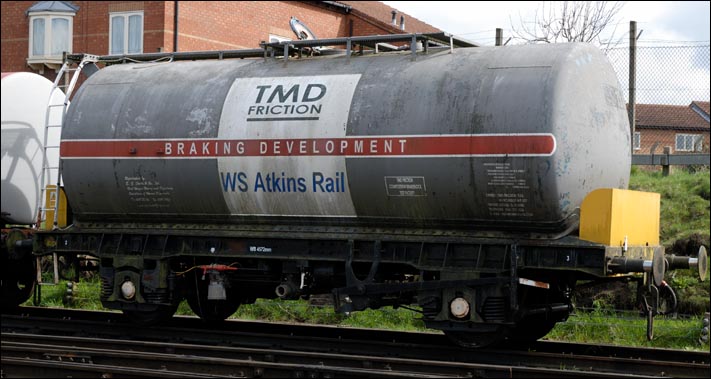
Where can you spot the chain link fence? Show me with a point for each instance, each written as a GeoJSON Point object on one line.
{"type": "Point", "coordinates": [672, 97]}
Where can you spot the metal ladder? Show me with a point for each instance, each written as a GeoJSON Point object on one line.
{"type": "Point", "coordinates": [47, 169]}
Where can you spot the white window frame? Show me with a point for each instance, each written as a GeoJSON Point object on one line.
{"type": "Point", "coordinates": [689, 142]}
{"type": "Point", "coordinates": [47, 51]}
{"type": "Point", "coordinates": [125, 16]}
{"type": "Point", "coordinates": [637, 140]}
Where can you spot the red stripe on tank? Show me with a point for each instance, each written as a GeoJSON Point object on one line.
{"type": "Point", "coordinates": [395, 146]}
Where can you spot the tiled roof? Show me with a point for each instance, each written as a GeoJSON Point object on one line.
{"type": "Point", "coordinates": [383, 13]}
{"type": "Point", "coordinates": [669, 116]}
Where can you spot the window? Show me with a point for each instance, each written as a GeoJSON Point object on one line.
{"type": "Point", "coordinates": [689, 142]}
{"type": "Point", "coordinates": [637, 140]}
{"type": "Point", "coordinates": [126, 33]}
{"type": "Point", "coordinates": [50, 35]}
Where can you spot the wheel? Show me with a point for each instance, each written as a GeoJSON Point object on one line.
{"type": "Point", "coordinates": [531, 329]}
{"type": "Point", "coordinates": [212, 310]}
{"type": "Point", "coordinates": [160, 314]}
{"type": "Point", "coordinates": [536, 326]}
{"type": "Point", "coordinates": [477, 340]}
{"type": "Point", "coordinates": [18, 282]}
{"type": "Point", "coordinates": [18, 271]}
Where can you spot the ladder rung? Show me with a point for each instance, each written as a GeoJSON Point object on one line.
{"type": "Point", "coordinates": [51, 147]}
{"type": "Point", "coordinates": [54, 126]}
{"type": "Point", "coordinates": [55, 105]}
{"type": "Point", "coordinates": [50, 167]}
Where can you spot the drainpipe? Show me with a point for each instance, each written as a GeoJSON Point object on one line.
{"type": "Point", "coordinates": [175, 27]}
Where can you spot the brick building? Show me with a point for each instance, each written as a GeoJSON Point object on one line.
{"type": "Point", "coordinates": [684, 128]}
{"type": "Point", "coordinates": [34, 34]}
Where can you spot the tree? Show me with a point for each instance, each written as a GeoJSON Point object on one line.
{"type": "Point", "coordinates": [569, 21]}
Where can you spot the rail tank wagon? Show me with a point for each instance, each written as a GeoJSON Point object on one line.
{"type": "Point", "coordinates": [25, 100]}
{"type": "Point", "coordinates": [479, 184]}
{"type": "Point", "coordinates": [29, 151]}
{"type": "Point", "coordinates": [500, 138]}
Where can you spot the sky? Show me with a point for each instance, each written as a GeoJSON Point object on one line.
{"type": "Point", "coordinates": [660, 21]}
{"type": "Point", "coordinates": [664, 75]}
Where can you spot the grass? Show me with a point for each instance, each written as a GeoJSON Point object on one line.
{"type": "Point", "coordinates": [684, 202]}
{"type": "Point", "coordinates": [684, 225]}
{"type": "Point", "coordinates": [608, 327]}
{"type": "Point", "coordinates": [301, 312]}
{"type": "Point", "coordinates": [86, 296]}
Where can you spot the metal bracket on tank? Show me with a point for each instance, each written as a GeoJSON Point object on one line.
{"type": "Point", "coordinates": [359, 300]}
{"type": "Point", "coordinates": [513, 295]}
{"type": "Point", "coordinates": [351, 278]}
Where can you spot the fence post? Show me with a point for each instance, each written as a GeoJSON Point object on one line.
{"type": "Point", "coordinates": [632, 80]}
{"type": "Point", "coordinates": [665, 161]}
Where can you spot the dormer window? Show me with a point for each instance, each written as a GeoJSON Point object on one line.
{"type": "Point", "coordinates": [51, 26]}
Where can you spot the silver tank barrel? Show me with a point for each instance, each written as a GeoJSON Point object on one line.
{"type": "Point", "coordinates": [496, 138]}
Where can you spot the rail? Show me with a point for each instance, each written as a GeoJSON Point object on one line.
{"type": "Point", "coordinates": [234, 346]}
{"type": "Point", "coordinates": [666, 159]}
{"type": "Point", "coordinates": [284, 48]}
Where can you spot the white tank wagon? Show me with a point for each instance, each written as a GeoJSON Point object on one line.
{"type": "Point", "coordinates": [25, 100]}
{"type": "Point", "coordinates": [30, 159]}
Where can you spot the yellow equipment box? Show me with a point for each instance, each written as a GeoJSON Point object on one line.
{"type": "Point", "coordinates": [50, 204]}
{"type": "Point", "coordinates": [610, 215]}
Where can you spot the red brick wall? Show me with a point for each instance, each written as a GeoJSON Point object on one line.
{"type": "Point", "coordinates": [664, 138]}
{"type": "Point", "coordinates": [363, 27]}
{"type": "Point", "coordinates": [243, 24]}
{"type": "Point", "coordinates": [207, 25]}
{"type": "Point", "coordinates": [15, 35]}
{"type": "Point", "coordinates": [90, 29]}
{"type": "Point", "coordinates": [91, 24]}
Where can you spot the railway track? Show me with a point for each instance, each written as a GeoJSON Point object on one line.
{"type": "Point", "coordinates": [50, 343]}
